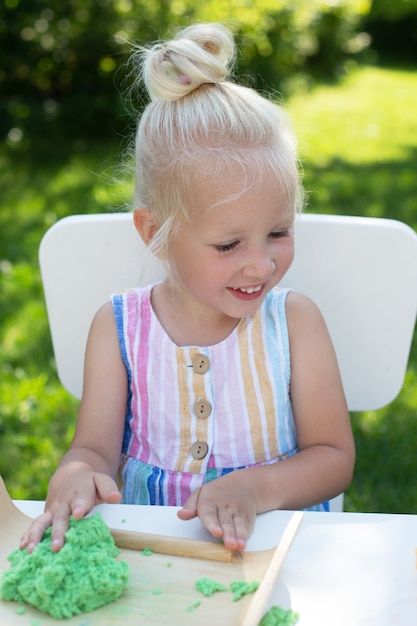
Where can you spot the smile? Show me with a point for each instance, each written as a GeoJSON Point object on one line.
{"type": "Point", "coordinates": [248, 289]}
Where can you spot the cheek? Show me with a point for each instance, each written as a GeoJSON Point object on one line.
{"type": "Point", "coordinates": [216, 273]}
{"type": "Point", "coordinates": [286, 252]}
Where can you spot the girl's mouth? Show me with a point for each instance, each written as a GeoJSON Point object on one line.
{"type": "Point", "coordinates": [247, 293]}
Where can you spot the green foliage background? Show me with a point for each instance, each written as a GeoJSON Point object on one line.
{"type": "Point", "coordinates": [360, 158]}
{"type": "Point", "coordinates": [63, 125]}
{"type": "Point", "coordinates": [62, 61]}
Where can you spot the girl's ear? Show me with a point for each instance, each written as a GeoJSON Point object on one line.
{"type": "Point", "coordinates": [145, 224]}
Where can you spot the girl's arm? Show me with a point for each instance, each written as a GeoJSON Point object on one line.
{"type": "Point", "coordinates": [324, 466]}
{"type": "Point", "coordinates": [87, 472]}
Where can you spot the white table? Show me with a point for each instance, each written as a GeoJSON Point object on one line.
{"type": "Point", "coordinates": [344, 569]}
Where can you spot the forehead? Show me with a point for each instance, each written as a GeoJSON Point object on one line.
{"type": "Point", "coordinates": [236, 189]}
{"type": "Point", "coordinates": [210, 187]}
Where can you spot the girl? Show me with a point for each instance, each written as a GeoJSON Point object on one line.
{"type": "Point", "coordinates": [213, 390]}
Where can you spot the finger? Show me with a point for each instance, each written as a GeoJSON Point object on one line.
{"type": "Point", "coordinates": [106, 489]}
{"type": "Point", "coordinates": [230, 538]}
{"type": "Point", "coordinates": [235, 534]}
{"type": "Point", "coordinates": [236, 527]}
{"type": "Point", "coordinates": [80, 506]}
{"type": "Point", "coordinates": [83, 500]}
{"type": "Point", "coordinates": [208, 512]}
{"type": "Point", "coordinates": [187, 513]}
{"type": "Point", "coordinates": [33, 535]}
{"type": "Point", "coordinates": [60, 526]}
{"type": "Point", "coordinates": [190, 507]}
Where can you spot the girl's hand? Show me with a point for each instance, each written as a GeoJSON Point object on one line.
{"type": "Point", "coordinates": [226, 507]}
{"type": "Point", "coordinates": [74, 490]}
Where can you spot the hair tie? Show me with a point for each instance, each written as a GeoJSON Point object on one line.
{"type": "Point", "coordinates": [184, 80]}
{"type": "Point", "coordinates": [168, 67]}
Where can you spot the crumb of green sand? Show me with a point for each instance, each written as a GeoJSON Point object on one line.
{"type": "Point", "coordinates": [169, 564]}
{"type": "Point", "coordinates": [242, 588]}
{"type": "Point", "coordinates": [157, 592]}
{"type": "Point", "coordinates": [207, 586]}
{"type": "Point", "coordinates": [20, 610]}
{"type": "Point", "coordinates": [277, 616]}
{"type": "Point", "coordinates": [147, 552]}
{"type": "Point", "coordinates": [193, 606]}
{"type": "Point", "coordinates": [123, 520]}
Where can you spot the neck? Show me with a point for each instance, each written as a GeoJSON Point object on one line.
{"type": "Point", "coordinates": [188, 325]}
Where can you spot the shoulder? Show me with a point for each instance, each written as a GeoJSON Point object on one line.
{"type": "Point", "coordinates": [299, 304]}
{"type": "Point", "coordinates": [303, 315]}
{"type": "Point", "coordinates": [103, 343]}
{"type": "Point", "coordinates": [294, 303]}
{"type": "Point", "coordinates": [103, 319]}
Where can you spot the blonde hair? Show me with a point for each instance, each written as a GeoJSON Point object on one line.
{"type": "Point", "coordinates": [200, 123]}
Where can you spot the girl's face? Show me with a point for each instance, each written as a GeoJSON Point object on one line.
{"type": "Point", "coordinates": [228, 256]}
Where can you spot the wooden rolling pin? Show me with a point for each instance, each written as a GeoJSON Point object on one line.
{"type": "Point", "coordinates": [174, 546]}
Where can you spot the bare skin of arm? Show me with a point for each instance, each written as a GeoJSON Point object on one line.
{"type": "Point", "coordinates": [87, 472]}
{"type": "Point", "coordinates": [324, 466]}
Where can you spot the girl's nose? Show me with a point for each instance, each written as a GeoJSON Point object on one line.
{"type": "Point", "coordinates": [259, 265]}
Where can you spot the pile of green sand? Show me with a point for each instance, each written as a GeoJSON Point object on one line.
{"type": "Point", "coordinates": [82, 576]}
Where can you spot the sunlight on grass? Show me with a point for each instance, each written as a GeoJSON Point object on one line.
{"type": "Point", "coordinates": [358, 144]}
{"type": "Point", "coordinates": [109, 190]}
{"type": "Point", "coordinates": [371, 117]}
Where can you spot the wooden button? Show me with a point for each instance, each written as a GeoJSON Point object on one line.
{"type": "Point", "coordinates": [199, 450]}
{"type": "Point", "coordinates": [202, 408]}
{"type": "Point", "coordinates": [201, 364]}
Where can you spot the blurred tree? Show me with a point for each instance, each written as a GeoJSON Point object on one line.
{"type": "Point", "coordinates": [60, 62]}
{"type": "Point", "coordinates": [393, 10]}
{"type": "Point", "coordinates": [283, 41]}
{"type": "Point", "coordinates": [58, 59]}
{"type": "Point", "coordinates": [392, 27]}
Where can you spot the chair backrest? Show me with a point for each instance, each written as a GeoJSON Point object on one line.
{"type": "Point", "coordinates": [362, 273]}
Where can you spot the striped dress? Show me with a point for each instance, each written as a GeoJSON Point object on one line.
{"type": "Point", "coordinates": [195, 413]}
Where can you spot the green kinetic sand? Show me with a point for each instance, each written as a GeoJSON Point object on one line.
{"type": "Point", "coordinates": [82, 576]}
{"type": "Point", "coordinates": [278, 616]}
{"type": "Point", "coordinates": [208, 587]}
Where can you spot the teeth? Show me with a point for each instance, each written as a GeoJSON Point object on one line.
{"type": "Point", "coordinates": [248, 290]}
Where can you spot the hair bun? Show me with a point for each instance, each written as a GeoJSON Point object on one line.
{"type": "Point", "coordinates": [199, 54]}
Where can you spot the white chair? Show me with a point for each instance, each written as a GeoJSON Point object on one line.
{"type": "Point", "coordinates": [362, 273]}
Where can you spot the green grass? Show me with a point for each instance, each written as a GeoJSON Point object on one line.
{"type": "Point", "coordinates": [358, 142]}
{"type": "Point", "coordinates": [37, 416]}
{"type": "Point", "coordinates": [369, 118]}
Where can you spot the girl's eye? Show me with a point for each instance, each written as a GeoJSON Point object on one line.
{"type": "Point", "coordinates": [278, 234]}
{"type": "Point", "coordinates": [226, 247]}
